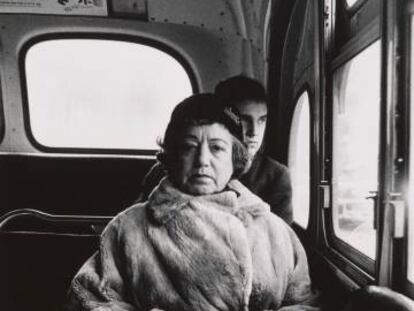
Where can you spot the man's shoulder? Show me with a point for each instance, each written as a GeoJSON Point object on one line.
{"type": "Point", "coordinates": [268, 164]}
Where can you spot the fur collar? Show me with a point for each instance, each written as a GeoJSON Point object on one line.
{"type": "Point", "coordinates": [166, 200]}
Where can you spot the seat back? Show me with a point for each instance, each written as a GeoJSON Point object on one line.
{"type": "Point", "coordinates": [379, 299]}
{"type": "Point", "coordinates": [38, 262]}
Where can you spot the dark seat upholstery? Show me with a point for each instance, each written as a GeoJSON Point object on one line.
{"type": "Point", "coordinates": [378, 299]}
{"type": "Point", "coordinates": [36, 268]}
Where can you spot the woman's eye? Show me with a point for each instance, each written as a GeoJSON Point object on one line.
{"type": "Point", "coordinates": [217, 148]}
{"type": "Point", "coordinates": [188, 146]}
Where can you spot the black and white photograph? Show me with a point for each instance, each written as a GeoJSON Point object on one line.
{"type": "Point", "coordinates": [206, 155]}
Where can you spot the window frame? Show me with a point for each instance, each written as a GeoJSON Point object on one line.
{"type": "Point", "coordinates": [2, 118]}
{"type": "Point", "coordinates": [405, 26]}
{"type": "Point", "coordinates": [409, 49]}
{"type": "Point", "coordinates": [359, 266]}
{"type": "Point", "coordinates": [347, 25]}
{"type": "Point", "coordinates": [162, 47]}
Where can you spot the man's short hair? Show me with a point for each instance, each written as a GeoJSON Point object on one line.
{"type": "Point", "coordinates": [240, 88]}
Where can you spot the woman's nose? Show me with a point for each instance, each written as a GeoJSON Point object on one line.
{"type": "Point", "coordinates": [203, 156]}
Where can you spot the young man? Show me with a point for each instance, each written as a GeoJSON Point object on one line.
{"type": "Point", "coordinates": [267, 178]}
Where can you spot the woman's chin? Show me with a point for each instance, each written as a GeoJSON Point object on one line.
{"type": "Point", "coordinates": [201, 189]}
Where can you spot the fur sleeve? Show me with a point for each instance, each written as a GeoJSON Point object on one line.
{"type": "Point", "coordinates": [99, 285]}
{"type": "Point", "coordinates": [291, 272]}
{"type": "Point", "coordinates": [299, 294]}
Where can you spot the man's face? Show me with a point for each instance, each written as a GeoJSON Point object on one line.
{"type": "Point", "coordinates": [253, 115]}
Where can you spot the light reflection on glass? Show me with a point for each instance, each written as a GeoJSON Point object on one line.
{"type": "Point", "coordinates": [299, 160]}
{"type": "Point", "coordinates": [351, 2]}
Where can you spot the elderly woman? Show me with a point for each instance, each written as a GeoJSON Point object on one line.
{"type": "Point", "coordinates": [202, 241]}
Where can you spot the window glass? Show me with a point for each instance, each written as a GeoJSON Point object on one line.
{"type": "Point", "coordinates": [92, 93]}
{"type": "Point", "coordinates": [356, 149]}
{"type": "Point", "coordinates": [299, 160]}
{"type": "Point", "coordinates": [351, 2]}
{"type": "Point", "coordinates": [410, 261]}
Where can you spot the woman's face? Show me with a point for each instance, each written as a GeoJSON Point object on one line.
{"type": "Point", "coordinates": [205, 162]}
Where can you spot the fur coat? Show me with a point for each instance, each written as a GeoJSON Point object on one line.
{"type": "Point", "coordinates": [267, 178]}
{"type": "Point", "coordinates": [223, 251]}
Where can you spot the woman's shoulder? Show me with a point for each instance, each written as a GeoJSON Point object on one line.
{"type": "Point", "coordinates": [247, 200]}
{"type": "Point", "coordinates": [253, 207]}
{"type": "Point", "coordinates": [259, 209]}
{"type": "Point", "coordinates": [276, 223]}
{"type": "Point", "coordinates": [129, 219]}
{"type": "Point", "coordinates": [282, 234]}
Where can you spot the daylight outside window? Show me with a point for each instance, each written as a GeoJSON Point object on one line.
{"type": "Point", "coordinates": [93, 93]}
{"type": "Point", "coordinates": [356, 149]}
{"type": "Point", "coordinates": [299, 160]}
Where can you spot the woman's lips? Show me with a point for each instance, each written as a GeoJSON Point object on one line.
{"type": "Point", "coordinates": [201, 177]}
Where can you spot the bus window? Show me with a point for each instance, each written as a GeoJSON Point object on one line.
{"type": "Point", "coordinates": [355, 155]}
{"type": "Point", "coordinates": [95, 93]}
{"type": "Point", "coordinates": [299, 160]}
